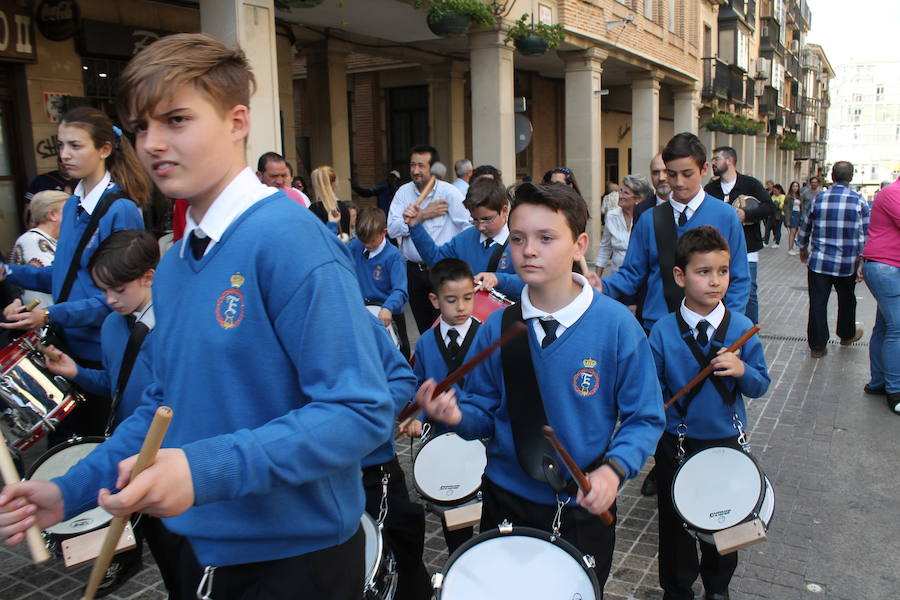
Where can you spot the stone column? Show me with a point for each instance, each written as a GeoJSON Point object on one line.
{"type": "Point", "coordinates": [446, 112]}
{"type": "Point", "coordinates": [644, 119]}
{"type": "Point", "coordinates": [761, 158]}
{"type": "Point", "coordinates": [251, 24]}
{"type": "Point", "coordinates": [584, 151]}
{"type": "Point", "coordinates": [687, 105]}
{"type": "Point", "coordinates": [326, 104]}
{"type": "Point", "coordinates": [493, 116]}
{"type": "Point", "coordinates": [771, 157]}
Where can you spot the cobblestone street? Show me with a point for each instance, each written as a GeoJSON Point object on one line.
{"type": "Point", "coordinates": [824, 444]}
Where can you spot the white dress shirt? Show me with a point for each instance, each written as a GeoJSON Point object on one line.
{"type": "Point", "coordinates": [89, 202]}
{"type": "Point", "coordinates": [441, 229]}
{"type": "Point", "coordinates": [714, 318]}
{"type": "Point", "coordinates": [377, 251]}
{"type": "Point", "coordinates": [500, 238]}
{"type": "Point", "coordinates": [690, 208]}
{"type": "Point", "coordinates": [244, 191]}
{"type": "Point", "coordinates": [461, 185]}
{"type": "Point", "coordinates": [566, 316]}
{"type": "Point", "coordinates": [463, 331]}
{"type": "Point", "coordinates": [614, 242]}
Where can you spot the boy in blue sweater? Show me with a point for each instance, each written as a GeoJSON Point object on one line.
{"type": "Point", "coordinates": [381, 271]}
{"type": "Point", "coordinates": [260, 473]}
{"type": "Point", "coordinates": [689, 207]}
{"type": "Point", "coordinates": [485, 246]}
{"type": "Point", "coordinates": [708, 415]}
{"type": "Point", "coordinates": [590, 361]}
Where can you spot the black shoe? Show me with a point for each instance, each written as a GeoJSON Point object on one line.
{"type": "Point", "coordinates": [116, 576]}
{"type": "Point", "coordinates": [648, 488]}
{"type": "Point", "coordinates": [875, 391]}
{"type": "Point", "coordinates": [893, 402]}
{"type": "Point", "coordinates": [818, 353]}
{"type": "Point", "coordinates": [722, 596]}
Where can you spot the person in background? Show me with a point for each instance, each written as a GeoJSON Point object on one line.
{"type": "Point", "coordinates": [489, 171]}
{"type": "Point", "coordinates": [273, 170]}
{"type": "Point", "coordinates": [327, 207]}
{"type": "Point", "coordinates": [610, 200]}
{"type": "Point", "coordinates": [561, 175]}
{"type": "Point", "coordinates": [661, 190]}
{"type": "Point", "coordinates": [384, 192]}
{"type": "Point", "coordinates": [58, 180]}
{"type": "Point", "coordinates": [792, 207]}
{"type": "Point", "coordinates": [619, 222]}
{"type": "Point", "coordinates": [463, 168]}
{"type": "Point", "coordinates": [773, 224]}
{"type": "Point", "coordinates": [37, 246]}
{"type": "Point", "coordinates": [809, 192]}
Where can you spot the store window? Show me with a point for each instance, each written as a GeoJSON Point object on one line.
{"type": "Point", "coordinates": [101, 77]}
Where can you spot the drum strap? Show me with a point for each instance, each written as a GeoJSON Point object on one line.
{"type": "Point", "coordinates": [718, 341]}
{"type": "Point", "coordinates": [495, 256]}
{"type": "Point", "coordinates": [666, 235]}
{"type": "Point", "coordinates": [455, 362]}
{"type": "Point", "coordinates": [135, 340]}
{"type": "Point", "coordinates": [526, 411]}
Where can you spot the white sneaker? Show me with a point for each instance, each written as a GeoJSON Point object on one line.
{"type": "Point", "coordinates": [793, 252]}
{"type": "Point", "coordinates": [765, 244]}
{"type": "Point", "coordinates": [774, 245]}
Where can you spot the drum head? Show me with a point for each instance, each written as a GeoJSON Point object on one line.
{"type": "Point", "coordinates": [373, 545]}
{"type": "Point", "coordinates": [717, 488]}
{"type": "Point", "coordinates": [392, 330]}
{"type": "Point", "coordinates": [55, 463]}
{"type": "Point", "coordinates": [448, 469]}
{"type": "Point", "coordinates": [517, 565]}
{"type": "Point", "coordinates": [767, 510]}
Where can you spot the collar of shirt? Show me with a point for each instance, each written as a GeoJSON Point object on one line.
{"type": "Point", "coordinates": [89, 202]}
{"type": "Point", "coordinates": [566, 316]}
{"type": "Point", "coordinates": [714, 318]}
{"type": "Point", "coordinates": [462, 329]}
{"type": "Point", "coordinates": [146, 316]}
{"type": "Point", "coordinates": [377, 251]}
{"type": "Point", "coordinates": [243, 192]}
{"type": "Point", "coordinates": [500, 238]}
{"type": "Point", "coordinates": [662, 200]}
{"type": "Point", "coordinates": [691, 207]}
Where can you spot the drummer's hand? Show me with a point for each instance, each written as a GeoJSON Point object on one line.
{"type": "Point", "coordinates": [62, 364]}
{"type": "Point", "coordinates": [28, 503]}
{"type": "Point", "coordinates": [385, 316]}
{"type": "Point", "coordinates": [433, 210]}
{"type": "Point", "coordinates": [604, 489]}
{"type": "Point", "coordinates": [741, 214]}
{"type": "Point", "coordinates": [32, 319]}
{"type": "Point", "coordinates": [411, 429]}
{"type": "Point", "coordinates": [487, 280]}
{"type": "Point", "coordinates": [442, 408]}
{"type": "Point", "coordinates": [411, 214]}
{"type": "Point", "coordinates": [13, 308]}
{"type": "Point", "coordinates": [164, 489]}
{"type": "Point", "coordinates": [727, 364]}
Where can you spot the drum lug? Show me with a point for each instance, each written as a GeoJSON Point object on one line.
{"type": "Point", "coordinates": [589, 561]}
{"type": "Point", "coordinates": [437, 581]}
{"type": "Point", "coordinates": [505, 527]}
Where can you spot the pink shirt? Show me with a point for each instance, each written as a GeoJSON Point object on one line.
{"type": "Point", "coordinates": [296, 196]}
{"type": "Point", "coordinates": [883, 244]}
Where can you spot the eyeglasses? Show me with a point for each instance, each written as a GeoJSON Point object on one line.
{"type": "Point", "coordinates": [483, 220]}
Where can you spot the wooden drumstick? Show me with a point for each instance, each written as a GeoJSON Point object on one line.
{"type": "Point", "coordinates": [51, 354]}
{"type": "Point", "coordinates": [426, 190]}
{"type": "Point", "coordinates": [150, 447]}
{"type": "Point", "coordinates": [32, 305]}
{"type": "Point", "coordinates": [703, 374]}
{"type": "Point", "coordinates": [580, 478]}
{"type": "Point", "coordinates": [33, 535]}
{"type": "Point", "coordinates": [410, 410]}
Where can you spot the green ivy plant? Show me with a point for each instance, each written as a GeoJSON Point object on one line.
{"type": "Point", "coordinates": [480, 13]}
{"type": "Point", "coordinates": [553, 34]}
{"type": "Point", "coordinates": [790, 142]}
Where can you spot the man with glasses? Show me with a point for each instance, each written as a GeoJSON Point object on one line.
{"type": "Point", "coordinates": [442, 216]}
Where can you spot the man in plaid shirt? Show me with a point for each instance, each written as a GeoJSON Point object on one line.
{"type": "Point", "coordinates": [831, 239]}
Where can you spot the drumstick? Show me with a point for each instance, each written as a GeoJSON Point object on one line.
{"type": "Point", "coordinates": [583, 484]}
{"type": "Point", "coordinates": [32, 305]}
{"type": "Point", "coordinates": [584, 266]}
{"type": "Point", "coordinates": [410, 409]}
{"type": "Point", "coordinates": [709, 368]}
{"type": "Point", "coordinates": [150, 447]}
{"type": "Point", "coordinates": [33, 535]}
{"type": "Point", "coordinates": [51, 354]}
{"type": "Point", "coordinates": [426, 190]}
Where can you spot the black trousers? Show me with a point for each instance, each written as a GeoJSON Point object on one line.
{"type": "Point", "coordinates": [404, 528]}
{"type": "Point", "coordinates": [579, 527]}
{"type": "Point", "coordinates": [819, 291]}
{"type": "Point", "coordinates": [456, 538]}
{"type": "Point", "coordinates": [418, 286]}
{"type": "Point", "coordinates": [331, 573]}
{"type": "Point", "coordinates": [678, 563]}
{"type": "Point", "coordinates": [400, 322]}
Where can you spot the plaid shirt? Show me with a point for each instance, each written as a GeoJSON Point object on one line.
{"type": "Point", "coordinates": [834, 226]}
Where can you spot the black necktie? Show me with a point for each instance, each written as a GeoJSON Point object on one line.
{"type": "Point", "coordinates": [702, 338]}
{"type": "Point", "coordinates": [198, 245]}
{"type": "Point", "coordinates": [682, 218]}
{"type": "Point", "coordinates": [366, 254]}
{"type": "Point", "coordinates": [131, 320]}
{"type": "Point", "coordinates": [550, 326]}
{"type": "Point", "coordinates": [453, 346]}
{"type": "Point", "coordinates": [488, 242]}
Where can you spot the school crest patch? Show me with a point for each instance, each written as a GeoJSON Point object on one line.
{"type": "Point", "coordinates": [586, 380]}
{"type": "Point", "coordinates": [378, 273]}
{"type": "Point", "coordinates": [503, 265]}
{"type": "Point", "coordinates": [230, 305]}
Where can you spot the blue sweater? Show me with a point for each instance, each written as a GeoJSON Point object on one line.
{"type": "Point", "coordinates": [274, 408]}
{"type": "Point", "coordinates": [642, 260]}
{"type": "Point", "coordinates": [466, 246]}
{"type": "Point", "coordinates": [113, 339]}
{"type": "Point", "coordinates": [401, 383]}
{"type": "Point", "coordinates": [82, 315]}
{"type": "Point", "coordinates": [708, 416]}
{"type": "Point", "coordinates": [381, 279]}
{"type": "Point", "coordinates": [596, 373]}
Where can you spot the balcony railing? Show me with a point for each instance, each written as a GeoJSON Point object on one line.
{"type": "Point", "coordinates": [792, 64]}
{"type": "Point", "coordinates": [768, 102]}
{"type": "Point", "coordinates": [791, 120]}
{"type": "Point", "coordinates": [770, 35]}
{"type": "Point", "coordinates": [722, 81]}
{"type": "Point", "coordinates": [809, 106]}
{"type": "Point", "coordinates": [826, 100]}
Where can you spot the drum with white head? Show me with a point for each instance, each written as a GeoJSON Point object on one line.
{"type": "Point", "coordinates": [447, 469]}
{"type": "Point", "coordinates": [381, 569]}
{"type": "Point", "coordinates": [392, 329]}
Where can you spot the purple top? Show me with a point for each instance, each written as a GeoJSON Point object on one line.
{"type": "Point", "coordinates": [884, 227]}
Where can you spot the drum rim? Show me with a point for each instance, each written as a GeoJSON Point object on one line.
{"type": "Point", "coordinates": [72, 441]}
{"type": "Point", "coordinates": [379, 548]}
{"type": "Point", "coordinates": [745, 518]}
{"type": "Point", "coordinates": [428, 497]}
{"type": "Point", "coordinates": [521, 531]}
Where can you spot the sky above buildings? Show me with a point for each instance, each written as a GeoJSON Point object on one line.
{"type": "Point", "coordinates": [862, 29]}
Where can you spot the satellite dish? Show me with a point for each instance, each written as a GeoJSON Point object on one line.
{"type": "Point", "coordinates": [523, 132]}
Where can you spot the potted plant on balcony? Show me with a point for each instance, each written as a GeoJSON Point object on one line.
{"type": "Point", "coordinates": [448, 18]}
{"type": "Point", "coordinates": [720, 121]}
{"type": "Point", "coordinates": [746, 126]}
{"type": "Point", "coordinates": [789, 142]}
{"type": "Point", "coordinates": [533, 38]}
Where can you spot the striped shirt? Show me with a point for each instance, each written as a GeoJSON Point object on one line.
{"type": "Point", "coordinates": [834, 228]}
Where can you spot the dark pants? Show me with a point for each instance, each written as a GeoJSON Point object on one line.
{"type": "Point", "coordinates": [678, 564]}
{"type": "Point", "coordinates": [773, 227]}
{"type": "Point", "coordinates": [419, 287]}
{"type": "Point", "coordinates": [580, 528]}
{"type": "Point", "coordinates": [400, 322]}
{"type": "Point", "coordinates": [404, 528]}
{"type": "Point", "coordinates": [456, 538]}
{"type": "Point", "coordinates": [819, 291]}
{"type": "Point", "coordinates": [86, 419]}
{"type": "Point", "coordinates": [335, 573]}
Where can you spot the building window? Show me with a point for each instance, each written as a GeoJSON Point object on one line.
{"type": "Point", "coordinates": [743, 51]}
{"type": "Point", "coordinates": [101, 77]}
{"type": "Point", "coordinates": [879, 93]}
{"type": "Point", "coordinates": [648, 9]}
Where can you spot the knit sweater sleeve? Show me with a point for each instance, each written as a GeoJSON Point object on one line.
{"type": "Point", "coordinates": [399, 294]}
{"type": "Point", "coordinates": [635, 268]}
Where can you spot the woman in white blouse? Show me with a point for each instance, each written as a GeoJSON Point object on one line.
{"type": "Point", "coordinates": [619, 222]}
{"type": "Point", "coordinates": [37, 246]}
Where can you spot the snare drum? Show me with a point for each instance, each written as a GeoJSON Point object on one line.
{"type": "Point", "coordinates": [484, 304]}
{"type": "Point", "coordinates": [766, 512]}
{"type": "Point", "coordinates": [54, 463]}
{"type": "Point", "coordinates": [32, 400]}
{"type": "Point", "coordinates": [718, 488]}
{"type": "Point", "coordinates": [392, 329]}
{"type": "Point", "coordinates": [447, 469]}
{"type": "Point", "coordinates": [381, 569]}
{"type": "Point", "coordinates": [517, 562]}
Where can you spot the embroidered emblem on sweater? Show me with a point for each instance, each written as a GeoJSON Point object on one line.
{"type": "Point", "coordinates": [504, 262]}
{"type": "Point", "coordinates": [378, 273]}
{"type": "Point", "coordinates": [230, 305]}
{"type": "Point", "coordinates": [586, 380]}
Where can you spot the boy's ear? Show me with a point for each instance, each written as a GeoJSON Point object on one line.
{"type": "Point", "coordinates": [704, 170]}
{"type": "Point", "coordinates": [147, 278]}
{"type": "Point", "coordinates": [581, 246]}
{"type": "Point", "coordinates": [434, 300]}
{"type": "Point", "coordinates": [239, 115]}
{"type": "Point", "coordinates": [679, 276]}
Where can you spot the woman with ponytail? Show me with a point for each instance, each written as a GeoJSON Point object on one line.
{"type": "Point", "coordinates": [326, 205]}
{"type": "Point", "coordinates": [112, 184]}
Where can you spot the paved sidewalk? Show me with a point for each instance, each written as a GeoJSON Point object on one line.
{"type": "Point", "coordinates": [824, 444]}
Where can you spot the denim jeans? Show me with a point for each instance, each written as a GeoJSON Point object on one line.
{"type": "Point", "coordinates": [883, 281]}
{"type": "Point", "coordinates": [752, 310]}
